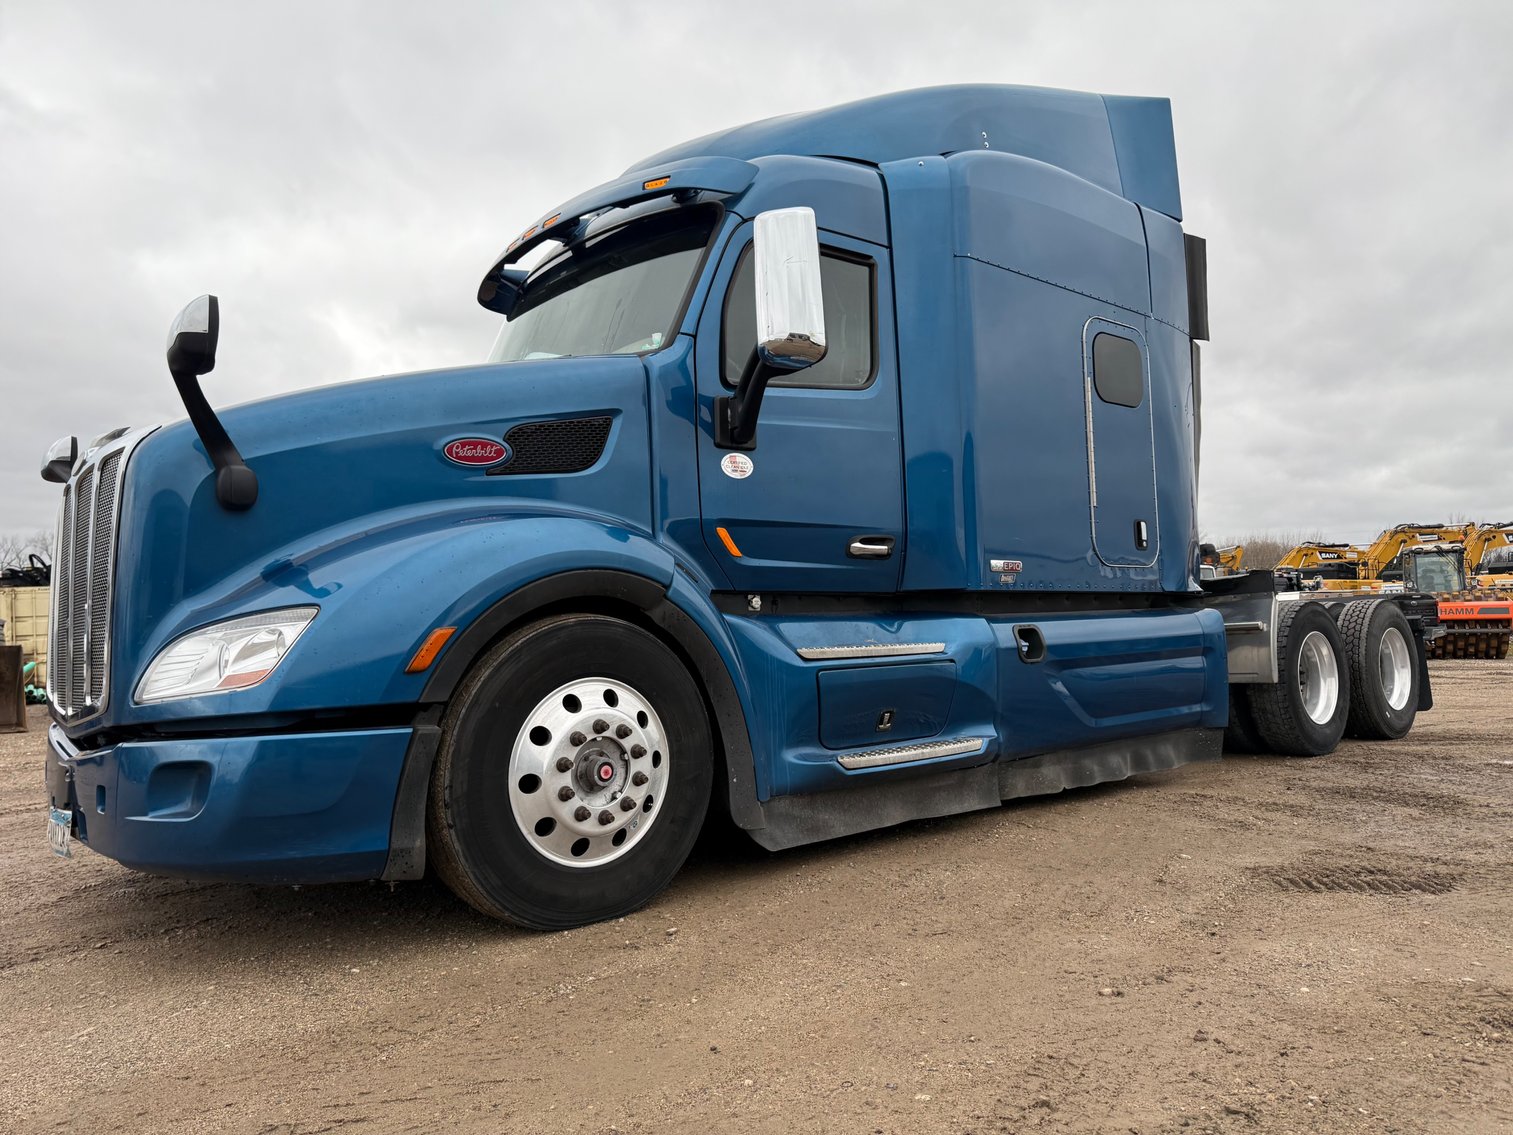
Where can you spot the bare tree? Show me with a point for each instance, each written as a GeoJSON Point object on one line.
{"type": "Point", "coordinates": [1264, 549]}
{"type": "Point", "coordinates": [16, 548]}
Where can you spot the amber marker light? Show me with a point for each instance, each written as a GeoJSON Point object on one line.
{"type": "Point", "coordinates": [430, 649]}
{"type": "Point", "coordinates": [658, 183]}
{"type": "Point", "coordinates": [550, 221]}
{"type": "Point", "coordinates": [728, 542]}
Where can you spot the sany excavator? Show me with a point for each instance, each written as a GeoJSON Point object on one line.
{"type": "Point", "coordinates": [1428, 558]}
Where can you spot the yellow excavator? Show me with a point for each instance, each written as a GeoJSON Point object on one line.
{"type": "Point", "coordinates": [1428, 558]}
{"type": "Point", "coordinates": [1335, 567]}
{"type": "Point", "coordinates": [1489, 556]}
{"type": "Point", "coordinates": [1218, 562]}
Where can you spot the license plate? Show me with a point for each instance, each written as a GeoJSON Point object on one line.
{"type": "Point", "coordinates": [59, 825]}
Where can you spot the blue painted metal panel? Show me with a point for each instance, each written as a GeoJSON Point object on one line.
{"type": "Point", "coordinates": [916, 696]}
{"type": "Point", "coordinates": [784, 710]}
{"type": "Point", "coordinates": [1146, 150]}
{"type": "Point", "coordinates": [311, 807]}
{"type": "Point", "coordinates": [1040, 221]}
{"type": "Point", "coordinates": [845, 197]}
{"type": "Point", "coordinates": [1172, 423]}
{"type": "Point", "coordinates": [1121, 460]}
{"type": "Point", "coordinates": [931, 399]}
{"type": "Point", "coordinates": [1025, 445]}
{"type": "Point", "coordinates": [1110, 677]}
{"type": "Point", "coordinates": [1168, 264]}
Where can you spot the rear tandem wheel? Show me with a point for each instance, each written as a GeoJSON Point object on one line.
{"type": "Point", "coordinates": [1384, 676]}
{"type": "Point", "coordinates": [1304, 713]}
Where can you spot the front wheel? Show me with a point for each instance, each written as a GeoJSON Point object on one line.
{"type": "Point", "coordinates": [573, 774]}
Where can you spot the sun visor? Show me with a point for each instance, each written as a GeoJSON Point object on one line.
{"type": "Point", "coordinates": [727, 176]}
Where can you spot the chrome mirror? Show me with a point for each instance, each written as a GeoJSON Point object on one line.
{"type": "Point", "coordinates": [58, 465]}
{"type": "Point", "coordinates": [790, 306]}
{"type": "Point", "coordinates": [193, 336]}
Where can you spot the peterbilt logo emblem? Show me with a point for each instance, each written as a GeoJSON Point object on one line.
{"type": "Point", "coordinates": [476, 451]}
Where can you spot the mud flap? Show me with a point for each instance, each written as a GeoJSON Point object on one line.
{"type": "Point", "coordinates": [1421, 649]}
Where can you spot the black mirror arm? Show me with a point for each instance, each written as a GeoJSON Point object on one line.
{"type": "Point", "coordinates": [235, 484]}
{"type": "Point", "coordinates": [735, 415]}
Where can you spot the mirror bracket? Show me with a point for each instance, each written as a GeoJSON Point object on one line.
{"type": "Point", "coordinates": [735, 415]}
{"type": "Point", "coordinates": [191, 352]}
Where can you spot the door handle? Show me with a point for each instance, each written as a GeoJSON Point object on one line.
{"type": "Point", "coordinates": [870, 547]}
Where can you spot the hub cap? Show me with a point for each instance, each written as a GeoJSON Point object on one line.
{"type": "Point", "coordinates": [1318, 678]}
{"type": "Point", "coordinates": [588, 772]}
{"type": "Point", "coordinates": [1394, 666]}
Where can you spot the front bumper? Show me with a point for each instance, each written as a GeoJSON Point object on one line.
{"type": "Point", "coordinates": [284, 808]}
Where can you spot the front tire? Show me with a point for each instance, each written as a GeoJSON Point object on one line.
{"type": "Point", "coordinates": [1304, 713]}
{"type": "Point", "coordinates": [573, 774]}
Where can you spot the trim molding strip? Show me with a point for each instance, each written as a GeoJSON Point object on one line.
{"type": "Point", "coordinates": [869, 650]}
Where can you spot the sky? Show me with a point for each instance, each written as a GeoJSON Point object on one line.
{"type": "Point", "coordinates": [342, 174]}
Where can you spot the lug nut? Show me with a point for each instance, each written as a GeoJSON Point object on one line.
{"type": "Point", "coordinates": [576, 739]}
{"type": "Point", "coordinates": [639, 779]}
{"type": "Point", "coordinates": [638, 751]}
{"type": "Point", "coordinates": [622, 731]}
{"type": "Point", "coordinates": [627, 804]}
{"type": "Point", "coordinates": [564, 793]}
{"type": "Point", "coordinates": [580, 813]}
{"type": "Point", "coordinates": [564, 764]}
{"type": "Point", "coordinates": [601, 726]}
{"type": "Point", "coordinates": [606, 817]}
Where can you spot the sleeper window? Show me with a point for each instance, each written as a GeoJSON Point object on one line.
{"type": "Point", "coordinates": [847, 288]}
{"type": "Point", "coordinates": [1118, 373]}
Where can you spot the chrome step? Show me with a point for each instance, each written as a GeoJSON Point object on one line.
{"type": "Point", "coordinates": [903, 754]}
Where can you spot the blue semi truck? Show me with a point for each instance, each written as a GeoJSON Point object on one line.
{"type": "Point", "coordinates": [831, 471]}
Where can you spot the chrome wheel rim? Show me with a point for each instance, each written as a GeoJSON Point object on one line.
{"type": "Point", "coordinates": [1394, 667]}
{"type": "Point", "coordinates": [588, 772]}
{"type": "Point", "coordinates": [1318, 678]}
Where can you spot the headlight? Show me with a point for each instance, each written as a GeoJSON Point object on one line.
{"type": "Point", "coordinates": [224, 656]}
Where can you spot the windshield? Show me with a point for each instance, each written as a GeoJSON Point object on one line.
{"type": "Point", "coordinates": [615, 294]}
{"type": "Point", "coordinates": [1436, 572]}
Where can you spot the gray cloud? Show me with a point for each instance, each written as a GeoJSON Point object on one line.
{"type": "Point", "coordinates": [340, 174]}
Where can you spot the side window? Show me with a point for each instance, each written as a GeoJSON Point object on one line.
{"type": "Point", "coordinates": [1118, 376]}
{"type": "Point", "coordinates": [848, 289]}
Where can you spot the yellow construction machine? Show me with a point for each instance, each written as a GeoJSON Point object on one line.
{"type": "Point", "coordinates": [1332, 567]}
{"type": "Point", "coordinates": [1215, 563]}
{"type": "Point", "coordinates": [1489, 557]}
{"type": "Point", "coordinates": [1427, 558]}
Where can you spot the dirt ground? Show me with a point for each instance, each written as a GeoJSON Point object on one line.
{"type": "Point", "coordinates": [1258, 945]}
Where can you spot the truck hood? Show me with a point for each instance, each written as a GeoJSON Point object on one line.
{"type": "Point", "coordinates": [343, 459]}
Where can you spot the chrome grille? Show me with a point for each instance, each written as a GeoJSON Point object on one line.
{"type": "Point", "coordinates": [73, 661]}
{"type": "Point", "coordinates": [83, 573]}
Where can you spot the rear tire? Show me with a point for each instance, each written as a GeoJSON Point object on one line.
{"type": "Point", "coordinates": [1304, 713]}
{"type": "Point", "coordinates": [573, 774]}
{"type": "Point", "coordinates": [1384, 680]}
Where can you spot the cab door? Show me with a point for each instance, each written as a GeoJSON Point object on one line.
{"type": "Point", "coordinates": [817, 505]}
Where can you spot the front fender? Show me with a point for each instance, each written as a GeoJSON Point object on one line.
{"type": "Point", "coordinates": [381, 590]}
